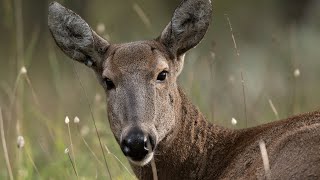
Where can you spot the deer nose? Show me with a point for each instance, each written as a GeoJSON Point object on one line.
{"type": "Point", "coordinates": [135, 145]}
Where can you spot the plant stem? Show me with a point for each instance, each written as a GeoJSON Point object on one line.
{"type": "Point", "coordinates": [74, 169]}
{"type": "Point", "coordinates": [241, 73]}
{"type": "Point", "coordinates": [4, 145]}
{"type": "Point", "coordinates": [92, 117]}
{"type": "Point", "coordinates": [87, 145]}
{"type": "Point", "coordinates": [72, 150]}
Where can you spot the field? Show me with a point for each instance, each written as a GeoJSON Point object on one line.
{"type": "Point", "coordinates": [259, 62]}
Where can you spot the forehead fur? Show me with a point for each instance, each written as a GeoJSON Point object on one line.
{"type": "Point", "coordinates": [135, 56]}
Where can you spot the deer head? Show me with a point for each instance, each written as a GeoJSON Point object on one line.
{"type": "Point", "coordinates": [139, 78]}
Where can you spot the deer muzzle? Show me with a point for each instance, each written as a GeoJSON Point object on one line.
{"type": "Point", "coordinates": [138, 146]}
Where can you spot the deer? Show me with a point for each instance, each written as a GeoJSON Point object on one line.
{"type": "Point", "coordinates": [145, 105]}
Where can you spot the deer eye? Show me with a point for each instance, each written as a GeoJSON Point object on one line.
{"type": "Point", "coordinates": [162, 76]}
{"type": "Point", "coordinates": [108, 83]}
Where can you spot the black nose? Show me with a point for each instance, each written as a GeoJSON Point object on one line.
{"type": "Point", "coordinates": [135, 145]}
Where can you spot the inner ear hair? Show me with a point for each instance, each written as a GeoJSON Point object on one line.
{"type": "Point", "coordinates": [101, 45]}
{"type": "Point", "coordinates": [187, 27]}
{"type": "Point", "coordinates": [75, 37]}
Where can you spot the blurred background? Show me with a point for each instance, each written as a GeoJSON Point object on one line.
{"type": "Point", "coordinates": [270, 70]}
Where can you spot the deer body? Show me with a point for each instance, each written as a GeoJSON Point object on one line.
{"type": "Point", "coordinates": [201, 150]}
{"type": "Point", "coordinates": [151, 117]}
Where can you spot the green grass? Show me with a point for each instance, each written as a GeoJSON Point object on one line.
{"type": "Point", "coordinates": [35, 104]}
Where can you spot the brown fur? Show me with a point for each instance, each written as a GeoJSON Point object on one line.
{"type": "Point", "coordinates": [201, 150]}
{"type": "Point", "coordinates": [187, 146]}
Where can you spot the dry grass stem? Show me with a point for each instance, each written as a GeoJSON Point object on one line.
{"type": "Point", "coordinates": [14, 96]}
{"type": "Point", "coordinates": [4, 145]}
{"type": "Point", "coordinates": [71, 144]}
{"type": "Point", "coordinates": [87, 145]}
{"type": "Point", "coordinates": [20, 60]}
{"type": "Point", "coordinates": [109, 152]}
{"type": "Point", "coordinates": [274, 109]}
{"type": "Point", "coordinates": [74, 169]}
{"type": "Point", "coordinates": [19, 33]}
{"type": "Point", "coordinates": [211, 60]}
{"type": "Point", "coordinates": [22, 72]}
{"type": "Point", "coordinates": [241, 73]}
{"type": "Point", "coordinates": [92, 116]}
{"type": "Point", "coordinates": [33, 164]}
{"type": "Point", "coordinates": [232, 35]}
{"type": "Point", "coordinates": [144, 18]}
{"type": "Point", "coordinates": [294, 57]}
{"type": "Point", "coordinates": [153, 163]}
{"type": "Point", "coordinates": [32, 90]}
{"type": "Point", "coordinates": [16, 84]}
{"type": "Point", "coordinates": [265, 159]}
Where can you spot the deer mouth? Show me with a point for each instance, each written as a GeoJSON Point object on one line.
{"type": "Point", "coordinates": [142, 162]}
{"type": "Point", "coordinates": [138, 146]}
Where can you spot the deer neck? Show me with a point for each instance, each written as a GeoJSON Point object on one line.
{"type": "Point", "coordinates": [194, 148]}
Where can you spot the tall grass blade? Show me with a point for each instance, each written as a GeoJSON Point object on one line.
{"type": "Point", "coordinates": [241, 72]}
{"type": "Point", "coordinates": [4, 145]}
{"type": "Point", "coordinates": [265, 159]}
{"type": "Point", "coordinates": [92, 116]}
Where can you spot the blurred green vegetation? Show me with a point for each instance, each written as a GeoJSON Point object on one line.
{"type": "Point", "coordinates": [278, 41]}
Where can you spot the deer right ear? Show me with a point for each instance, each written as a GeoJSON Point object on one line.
{"type": "Point", "coordinates": [74, 36]}
{"type": "Point", "coordinates": [188, 26]}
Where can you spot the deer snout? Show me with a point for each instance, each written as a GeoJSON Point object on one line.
{"type": "Point", "coordinates": [135, 145]}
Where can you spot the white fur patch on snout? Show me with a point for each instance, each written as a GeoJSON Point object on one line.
{"type": "Point", "coordinates": [144, 162]}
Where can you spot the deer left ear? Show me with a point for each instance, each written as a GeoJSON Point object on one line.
{"type": "Point", "coordinates": [74, 36]}
{"type": "Point", "coordinates": [188, 26]}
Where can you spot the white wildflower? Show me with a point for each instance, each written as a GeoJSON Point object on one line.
{"type": "Point", "coordinates": [66, 151]}
{"type": "Point", "coordinates": [234, 121]}
{"type": "Point", "coordinates": [67, 120]}
{"type": "Point", "coordinates": [76, 120]}
{"type": "Point", "coordinates": [20, 142]}
{"type": "Point", "coordinates": [23, 70]}
{"type": "Point", "coordinates": [296, 73]}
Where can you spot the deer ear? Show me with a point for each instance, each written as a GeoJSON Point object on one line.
{"type": "Point", "coordinates": [188, 26]}
{"type": "Point", "coordinates": [74, 36]}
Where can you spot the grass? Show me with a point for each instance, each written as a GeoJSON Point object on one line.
{"type": "Point", "coordinates": [265, 159]}
{"type": "Point", "coordinates": [241, 71]}
{"type": "Point", "coordinates": [35, 104]}
{"type": "Point", "coordinates": [93, 119]}
{"type": "Point", "coordinates": [4, 145]}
